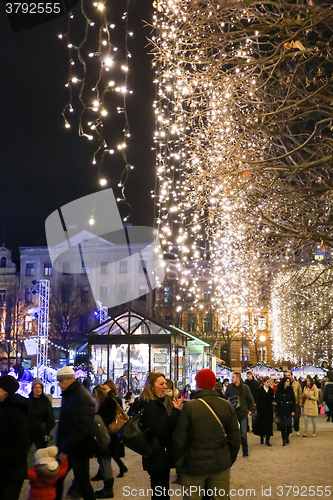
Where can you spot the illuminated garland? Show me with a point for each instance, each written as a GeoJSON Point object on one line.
{"type": "Point", "coordinates": [97, 76]}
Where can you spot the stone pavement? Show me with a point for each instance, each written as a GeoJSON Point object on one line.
{"type": "Point", "coordinates": [268, 473]}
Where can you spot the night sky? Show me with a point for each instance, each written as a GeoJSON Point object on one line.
{"type": "Point", "coordinates": [43, 165]}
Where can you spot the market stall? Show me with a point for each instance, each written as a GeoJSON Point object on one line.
{"type": "Point", "coordinates": [128, 347]}
{"type": "Point", "coordinates": [305, 370]}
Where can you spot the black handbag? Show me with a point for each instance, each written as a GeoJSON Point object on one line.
{"type": "Point", "coordinates": [135, 436]}
{"type": "Point", "coordinates": [98, 437]}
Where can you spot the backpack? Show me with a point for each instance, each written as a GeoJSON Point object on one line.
{"type": "Point", "coordinates": [98, 437]}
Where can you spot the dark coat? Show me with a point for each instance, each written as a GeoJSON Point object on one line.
{"type": "Point", "coordinates": [13, 439]}
{"type": "Point", "coordinates": [155, 417]}
{"type": "Point", "coordinates": [76, 415]}
{"type": "Point", "coordinates": [245, 398]}
{"type": "Point", "coordinates": [107, 411]}
{"type": "Point", "coordinates": [200, 445]}
{"type": "Point", "coordinates": [254, 387]}
{"type": "Point", "coordinates": [328, 394]}
{"type": "Point", "coordinates": [285, 401]}
{"type": "Point", "coordinates": [40, 417]}
{"type": "Point", "coordinates": [264, 422]}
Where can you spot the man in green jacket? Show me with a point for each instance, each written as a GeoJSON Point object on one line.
{"type": "Point", "coordinates": [206, 441]}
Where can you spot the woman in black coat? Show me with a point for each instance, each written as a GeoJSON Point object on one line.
{"type": "Point", "coordinates": [13, 439]}
{"type": "Point", "coordinates": [40, 418]}
{"type": "Point", "coordinates": [156, 418]}
{"type": "Point", "coordinates": [264, 422]}
{"type": "Point", "coordinates": [106, 407]}
{"type": "Point", "coordinates": [286, 407]}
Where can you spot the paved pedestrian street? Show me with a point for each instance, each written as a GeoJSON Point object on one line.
{"type": "Point", "coordinates": [302, 469]}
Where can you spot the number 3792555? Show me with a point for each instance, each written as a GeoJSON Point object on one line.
{"type": "Point", "coordinates": [33, 8]}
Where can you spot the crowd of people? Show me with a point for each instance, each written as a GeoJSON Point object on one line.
{"type": "Point", "coordinates": [199, 432]}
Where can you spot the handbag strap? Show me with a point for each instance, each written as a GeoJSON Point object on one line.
{"type": "Point", "coordinates": [213, 412]}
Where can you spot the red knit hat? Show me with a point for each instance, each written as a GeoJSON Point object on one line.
{"type": "Point", "coordinates": [205, 379]}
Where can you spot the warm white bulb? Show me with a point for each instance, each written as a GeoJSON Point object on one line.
{"type": "Point", "coordinates": [91, 221]}
{"type": "Point", "coordinates": [103, 182]}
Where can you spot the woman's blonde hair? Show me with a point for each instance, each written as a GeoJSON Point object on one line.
{"type": "Point", "coordinates": [112, 386]}
{"type": "Point", "coordinates": [147, 392]}
{"type": "Point", "coordinates": [99, 393]}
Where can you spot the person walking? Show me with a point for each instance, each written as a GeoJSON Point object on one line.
{"type": "Point", "coordinates": [162, 425]}
{"type": "Point", "coordinates": [206, 440]}
{"type": "Point", "coordinates": [40, 418]}
{"type": "Point", "coordinates": [116, 447]}
{"type": "Point", "coordinates": [239, 395]}
{"type": "Point", "coordinates": [106, 407]}
{"type": "Point", "coordinates": [296, 386]}
{"type": "Point", "coordinates": [264, 422]}
{"type": "Point", "coordinates": [254, 387]}
{"type": "Point", "coordinates": [13, 438]}
{"type": "Point", "coordinates": [310, 408]}
{"type": "Point", "coordinates": [328, 396]}
{"type": "Point", "coordinates": [75, 420]}
{"type": "Point", "coordinates": [285, 405]}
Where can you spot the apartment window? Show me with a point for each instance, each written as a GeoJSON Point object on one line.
{"type": "Point", "coordinates": [28, 296]}
{"type": "Point", "coordinates": [3, 262]}
{"type": "Point", "coordinates": [2, 295]}
{"type": "Point", "coordinates": [244, 354]}
{"type": "Point", "coordinates": [208, 323]}
{"type": "Point", "coordinates": [104, 267]}
{"type": "Point", "coordinates": [65, 294]}
{"type": "Point", "coordinates": [262, 354]}
{"type": "Point", "coordinates": [103, 294]}
{"type": "Point", "coordinates": [191, 324]}
{"type": "Point", "coordinates": [47, 269]}
{"type": "Point", "coordinates": [84, 293]}
{"type": "Point", "coordinates": [167, 294]}
{"type": "Point", "coordinates": [142, 292]}
{"type": "Point", "coordinates": [66, 268]}
{"type": "Point", "coordinates": [83, 323]}
{"type": "Point", "coordinates": [123, 267]}
{"type": "Point", "coordinates": [207, 294]}
{"type": "Point", "coordinates": [30, 269]}
{"type": "Point", "coordinates": [261, 323]}
{"type": "Point", "coordinates": [28, 324]}
{"type": "Point", "coordinates": [142, 266]}
{"type": "Point", "coordinates": [122, 293]}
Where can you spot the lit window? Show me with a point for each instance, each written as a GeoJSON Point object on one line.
{"type": "Point", "coordinates": [47, 269]}
{"type": "Point", "coordinates": [30, 269]}
{"type": "Point", "coordinates": [28, 324]}
{"type": "Point", "coordinates": [261, 323]}
{"type": "Point", "coordinates": [262, 354]}
{"type": "Point", "coordinates": [245, 354]}
{"type": "Point", "coordinates": [168, 294]}
{"type": "Point", "coordinates": [2, 295]}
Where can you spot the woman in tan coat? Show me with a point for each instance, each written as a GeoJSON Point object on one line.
{"type": "Point", "coordinates": [310, 398]}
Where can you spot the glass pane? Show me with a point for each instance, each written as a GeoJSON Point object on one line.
{"type": "Point", "coordinates": [116, 330]}
{"type": "Point", "coordinates": [195, 365]}
{"type": "Point", "coordinates": [139, 367]}
{"type": "Point", "coordinates": [160, 359]}
{"type": "Point", "coordinates": [118, 368]}
{"type": "Point", "coordinates": [99, 355]}
{"type": "Point", "coordinates": [174, 365]}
